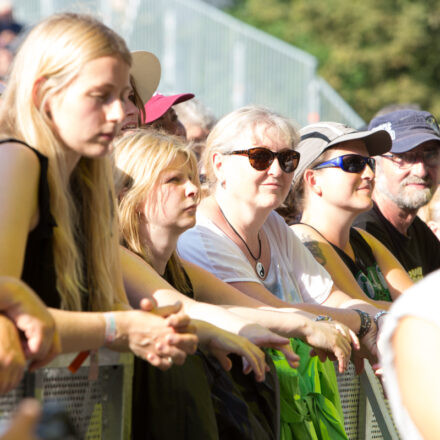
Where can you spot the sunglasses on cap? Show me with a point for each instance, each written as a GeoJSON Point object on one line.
{"type": "Point", "coordinates": [351, 163]}
{"type": "Point", "coordinates": [261, 158]}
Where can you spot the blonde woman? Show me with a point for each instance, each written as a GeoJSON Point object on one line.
{"type": "Point", "coordinates": [249, 160]}
{"type": "Point", "coordinates": [63, 106]}
{"type": "Point", "coordinates": [156, 178]}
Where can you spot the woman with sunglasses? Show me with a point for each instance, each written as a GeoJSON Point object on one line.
{"type": "Point", "coordinates": [332, 185]}
{"type": "Point", "coordinates": [249, 161]}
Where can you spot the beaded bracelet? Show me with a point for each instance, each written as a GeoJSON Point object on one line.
{"type": "Point", "coordinates": [365, 323]}
{"type": "Point", "coordinates": [378, 315]}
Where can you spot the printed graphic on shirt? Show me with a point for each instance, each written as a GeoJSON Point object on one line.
{"type": "Point", "coordinates": [416, 274]}
{"type": "Point", "coordinates": [373, 283]}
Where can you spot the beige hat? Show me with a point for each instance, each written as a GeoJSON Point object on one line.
{"type": "Point", "coordinates": [316, 138]}
{"type": "Point", "coordinates": [145, 70]}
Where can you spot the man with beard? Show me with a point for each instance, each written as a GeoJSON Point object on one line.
{"type": "Point", "coordinates": [406, 178]}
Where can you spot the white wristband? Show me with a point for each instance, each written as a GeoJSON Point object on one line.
{"type": "Point", "coordinates": [110, 327]}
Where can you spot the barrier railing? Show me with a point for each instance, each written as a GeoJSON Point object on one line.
{"type": "Point", "coordinates": [367, 415]}
{"type": "Point", "coordinates": [99, 408]}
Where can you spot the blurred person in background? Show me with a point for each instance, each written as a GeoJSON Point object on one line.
{"type": "Point", "coordinates": [160, 114]}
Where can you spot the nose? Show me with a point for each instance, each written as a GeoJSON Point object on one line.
{"type": "Point", "coordinates": [367, 173]}
{"type": "Point", "coordinates": [116, 111]}
{"type": "Point", "coordinates": [419, 168]}
{"type": "Point", "coordinates": [191, 189]}
{"type": "Point", "coordinates": [275, 168]}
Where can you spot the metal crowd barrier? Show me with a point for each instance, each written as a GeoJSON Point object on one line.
{"type": "Point", "coordinates": [367, 415]}
{"type": "Point", "coordinates": [99, 409]}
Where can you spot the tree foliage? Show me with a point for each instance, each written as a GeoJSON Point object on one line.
{"type": "Point", "coordinates": [373, 52]}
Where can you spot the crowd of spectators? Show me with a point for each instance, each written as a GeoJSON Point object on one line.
{"type": "Point", "coordinates": [286, 262]}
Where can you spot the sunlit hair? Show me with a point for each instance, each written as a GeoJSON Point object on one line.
{"type": "Point", "coordinates": [139, 158]}
{"type": "Point", "coordinates": [51, 57]}
{"type": "Point", "coordinates": [256, 123]}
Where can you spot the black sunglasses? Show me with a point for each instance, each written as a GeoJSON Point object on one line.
{"type": "Point", "coordinates": [351, 163]}
{"type": "Point", "coordinates": [261, 158]}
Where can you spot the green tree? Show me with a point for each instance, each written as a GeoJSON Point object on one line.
{"type": "Point", "coordinates": [373, 52]}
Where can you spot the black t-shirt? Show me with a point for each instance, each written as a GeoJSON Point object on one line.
{"type": "Point", "coordinates": [418, 252]}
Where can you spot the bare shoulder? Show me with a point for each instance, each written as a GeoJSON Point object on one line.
{"type": "Point", "coordinates": [16, 157]}
{"type": "Point", "coordinates": [306, 233]}
{"type": "Point", "coordinates": [370, 239]}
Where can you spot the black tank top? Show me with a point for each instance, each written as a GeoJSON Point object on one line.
{"type": "Point", "coordinates": [365, 269]}
{"type": "Point", "coordinates": [38, 267]}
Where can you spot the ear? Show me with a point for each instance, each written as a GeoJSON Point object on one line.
{"type": "Point", "coordinates": [36, 95]}
{"type": "Point", "coordinates": [311, 180]}
{"type": "Point", "coordinates": [36, 98]}
{"type": "Point", "coordinates": [217, 166]}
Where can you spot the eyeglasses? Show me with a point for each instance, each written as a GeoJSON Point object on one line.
{"type": "Point", "coordinates": [405, 160]}
{"type": "Point", "coordinates": [351, 163]}
{"type": "Point", "coordinates": [261, 158]}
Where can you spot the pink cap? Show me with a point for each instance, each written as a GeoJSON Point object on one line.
{"type": "Point", "coordinates": [159, 104]}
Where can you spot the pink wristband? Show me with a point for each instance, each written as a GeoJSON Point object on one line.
{"type": "Point", "coordinates": [110, 327]}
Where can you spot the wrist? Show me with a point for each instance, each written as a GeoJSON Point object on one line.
{"type": "Point", "coordinates": [365, 323]}
{"type": "Point", "coordinates": [378, 317]}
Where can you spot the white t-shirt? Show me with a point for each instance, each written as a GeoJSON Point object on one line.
{"type": "Point", "coordinates": [421, 301]}
{"type": "Point", "coordinates": [293, 276]}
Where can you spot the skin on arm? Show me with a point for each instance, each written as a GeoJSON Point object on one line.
{"type": "Point", "coordinates": [397, 278]}
{"type": "Point", "coordinates": [286, 321]}
{"type": "Point", "coordinates": [142, 281]}
{"type": "Point", "coordinates": [325, 255]}
{"type": "Point", "coordinates": [416, 344]}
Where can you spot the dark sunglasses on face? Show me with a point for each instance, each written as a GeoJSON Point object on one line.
{"type": "Point", "coordinates": [351, 163]}
{"type": "Point", "coordinates": [261, 158]}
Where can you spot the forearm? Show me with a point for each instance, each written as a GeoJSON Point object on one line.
{"type": "Point", "coordinates": [287, 322]}
{"type": "Point", "coordinates": [79, 331]}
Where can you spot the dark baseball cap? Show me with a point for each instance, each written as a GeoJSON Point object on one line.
{"type": "Point", "coordinates": [408, 128]}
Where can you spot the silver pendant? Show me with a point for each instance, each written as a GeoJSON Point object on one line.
{"type": "Point", "coordinates": [260, 269]}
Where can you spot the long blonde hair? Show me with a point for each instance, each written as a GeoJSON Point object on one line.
{"type": "Point", "coordinates": [139, 159]}
{"type": "Point", "coordinates": [52, 55]}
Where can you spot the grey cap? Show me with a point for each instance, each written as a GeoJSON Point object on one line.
{"type": "Point", "coordinates": [316, 138]}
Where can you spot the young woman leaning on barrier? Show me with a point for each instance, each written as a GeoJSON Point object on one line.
{"type": "Point", "coordinates": [62, 107]}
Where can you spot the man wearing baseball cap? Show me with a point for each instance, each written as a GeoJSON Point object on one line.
{"type": "Point", "coordinates": [406, 178]}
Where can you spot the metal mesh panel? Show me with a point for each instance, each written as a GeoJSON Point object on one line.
{"type": "Point", "coordinates": [349, 385]}
{"type": "Point", "coordinates": [99, 409]}
{"type": "Point", "coordinates": [225, 62]}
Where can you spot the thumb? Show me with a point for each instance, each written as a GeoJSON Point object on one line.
{"type": "Point", "coordinates": [24, 421]}
{"type": "Point", "coordinates": [223, 359]}
{"type": "Point", "coordinates": [147, 304]}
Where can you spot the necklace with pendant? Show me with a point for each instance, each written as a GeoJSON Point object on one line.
{"type": "Point", "coordinates": [259, 268]}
